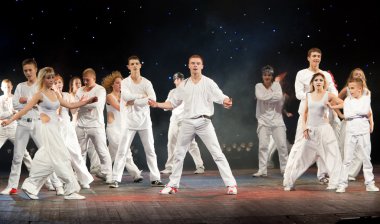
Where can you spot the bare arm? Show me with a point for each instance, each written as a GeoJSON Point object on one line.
{"type": "Point", "coordinates": [111, 101]}
{"type": "Point", "coordinates": [75, 104]}
{"type": "Point", "coordinates": [304, 121]}
{"type": "Point", "coordinates": [343, 93]}
{"type": "Point", "coordinates": [164, 105]}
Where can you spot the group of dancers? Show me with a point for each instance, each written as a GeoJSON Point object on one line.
{"type": "Point", "coordinates": [41, 110]}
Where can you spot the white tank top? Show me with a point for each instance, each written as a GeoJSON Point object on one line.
{"type": "Point", "coordinates": [116, 114]}
{"type": "Point", "coordinates": [49, 107]}
{"type": "Point", "coordinates": [317, 111]}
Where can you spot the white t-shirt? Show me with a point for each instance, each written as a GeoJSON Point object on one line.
{"type": "Point", "coordinates": [354, 107]}
{"type": "Point", "coordinates": [23, 90]}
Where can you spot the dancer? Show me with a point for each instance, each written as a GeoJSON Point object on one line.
{"type": "Point", "coordinates": [90, 123]}
{"type": "Point", "coordinates": [270, 121]}
{"type": "Point", "coordinates": [70, 137]}
{"type": "Point", "coordinates": [198, 93]}
{"type": "Point", "coordinates": [52, 156]}
{"type": "Point", "coordinates": [357, 109]}
{"type": "Point", "coordinates": [319, 140]}
{"type": "Point", "coordinates": [135, 114]}
{"type": "Point", "coordinates": [302, 87]}
{"type": "Point", "coordinates": [175, 124]}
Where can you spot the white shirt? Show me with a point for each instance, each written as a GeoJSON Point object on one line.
{"type": "Point", "coordinates": [356, 107]}
{"type": "Point", "coordinates": [91, 115]}
{"type": "Point", "coordinates": [302, 86]}
{"type": "Point", "coordinates": [136, 116]}
{"type": "Point", "coordinates": [6, 109]}
{"type": "Point", "coordinates": [23, 90]}
{"type": "Point", "coordinates": [177, 113]}
{"type": "Point", "coordinates": [269, 105]}
{"type": "Point", "coordinates": [198, 98]}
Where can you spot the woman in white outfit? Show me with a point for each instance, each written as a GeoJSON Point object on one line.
{"type": "Point", "coordinates": [53, 155]}
{"type": "Point", "coordinates": [319, 138]}
{"type": "Point", "coordinates": [71, 139]}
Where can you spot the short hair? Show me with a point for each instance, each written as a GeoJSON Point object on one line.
{"type": "Point", "coordinates": [178, 75]}
{"type": "Point", "coordinates": [357, 80]}
{"type": "Point", "coordinates": [7, 81]}
{"type": "Point", "coordinates": [58, 76]}
{"type": "Point", "coordinates": [314, 49]}
{"type": "Point", "coordinates": [196, 56]}
{"type": "Point", "coordinates": [29, 61]}
{"type": "Point", "coordinates": [267, 69]}
{"type": "Point", "coordinates": [133, 57]}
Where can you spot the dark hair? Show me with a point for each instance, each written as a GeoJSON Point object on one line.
{"type": "Point", "coordinates": [29, 61]}
{"type": "Point", "coordinates": [72, 81]}
{"type": "Point", "coordinates": [196, 56]}
{"type": "Point", "coordinates": [133, 57]}
{"type": "Point", "coordinates": [314, 49]}
{"type": "Point", "coordinates": [267, 69]}
{"type": "Point", "coordinates": [178, 75]}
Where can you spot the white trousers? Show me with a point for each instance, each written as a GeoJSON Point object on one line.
{"type": "Point", "coordinates": [279, 137]}
{"type": "Point", "coordinates": [173, 131]}
{"type": "Point", "coordinates": [205, 130]}
{"type": "Point", "coordinates": [9, 133]}
{"type": "Point", "coordinates": [272, 148]}
{"type": "Point", "coordinates": [322, 145]}
{"type": "Point", "coordinates": [124, 155]}
{"type": "Point", "coordinates": [71, 141]}
{"type": "Point", "coordinates": [51, 157]}
{"type": "Point", "coordinates": [97, 136]}
{"type": "Point", "coordinates": [358, 144]}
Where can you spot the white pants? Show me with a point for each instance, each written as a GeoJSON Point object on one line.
{"type": "Point", "coordinates": [124, 155]}
{"type": "Point", "coordinates": [71, 141]}
{"type": "Point", "coordinates": [172, 141]}
{"type": "Point", "coordinates": [205, 130]}
{"type": "Point", "coordinates": [98, 138]}
{"type": "Point", "coordinates": [52, 156]}
{"type": "Point", "coordinates": [322, 145]}
{"type": "Point", "coordinates": [95, 165]}
{"type": "Point", "coordinates": [279, 136]}
{"type": "Point", "coordinates": [9, 133]}
{"type": "Point", "coordinates": [358, 144]}
{"type": "Point", "coordinates": [272, 148]}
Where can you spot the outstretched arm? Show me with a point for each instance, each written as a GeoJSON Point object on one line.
{"type": "Point", "coordinates": [75, 104]}
{"type": "Point", "coordinates": [167, 105]}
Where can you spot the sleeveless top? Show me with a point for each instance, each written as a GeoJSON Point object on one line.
{"type": "Point", "coordinates": [116, 114]}
{"type": "Point", "coordinates": [49, 107]}
{"type": "Point", "coordinates": [317, 111]}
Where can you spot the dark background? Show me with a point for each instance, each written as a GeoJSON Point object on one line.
{"type": "Point", "coordinates": [236, 38]}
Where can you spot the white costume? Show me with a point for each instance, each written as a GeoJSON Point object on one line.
{"type": "Point", "coordinates": [199, 101]}
{"type": "Point", "coordinates": [9, 132]}
{"type": "Point", "coordinates": [270, 122]}
{"type": "Point", "coordinates": [90, 125]}
{"type": "Point", "coordinates": [302, 86]}
{"type": "Point", "coordinates": [322, 144]}
{"type": "Point", "coordinates": [53, 155]}
{"type": "Point", "coordinates": [136, 119]}
{"type": "Point", "coordinates": [71, 143]}
{"type": "Point", "coordinates": [174, 126]}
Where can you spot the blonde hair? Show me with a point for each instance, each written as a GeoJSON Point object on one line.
{"type": "Point", "coordinates": [71, 83]}
{"type": "Point", "coordinates": [312, 80]}
{"type": "Point", "coordinates": [41, 76]}
{"type": "Point", "coordinates": [363, 78]}
{"type": "Point", "coordinates": [109, 80]}
{"type": "Point", "coordinates": [7, 81]}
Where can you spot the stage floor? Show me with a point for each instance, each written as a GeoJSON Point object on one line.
{"type": "Point", "coordinates": [201, 199]}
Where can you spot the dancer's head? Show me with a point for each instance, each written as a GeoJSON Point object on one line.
{"type": "Point", "coordinates": [318, 82]}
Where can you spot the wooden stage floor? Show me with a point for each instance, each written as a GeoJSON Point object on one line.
{"type": "Point", "coordinates": [201, 199]}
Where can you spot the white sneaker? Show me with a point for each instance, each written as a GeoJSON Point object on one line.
{"type": "Point", "coordinates": [60, 191]}
{"type": "Point", "coordinates": [30, 195]}
{"type": "Point", "coordinates": [166, 171]}
{"type": "Point", "coordinates": [74, 196]}
{"type": "Point", "coordinates": [259, 174]}
{"type": "Point", "coordinates": [289, 188]}
{"type": "Point", "coordinates": [115, 184]}
{"type": "Point", "coordinates": [340, 190]}
{"type": "Point", "coordinates": [199, 170]}
{"type": "Point", "coordinates": [232, 190]}
{"type": "Point", "coordinates": [351, 178]}
{"type": "Point", "coordinates": [168, 190]}
{"type": "Point", "coordinates": [371, 187]}
{"type": "Point", "coordinates": [8, 191]}
{"type": "Point", "coordinates": [85, 186]}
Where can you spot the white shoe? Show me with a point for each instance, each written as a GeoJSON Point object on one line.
{"type": "Point", "coordinates": [166, 171]}
{"type": "Point", "coordinates": [49, 186]}
{"type": "Point", "coordinates": [289, 188]}
{"type": "Point", "coordinates": [85, 186]}
{"type": "Point", "coordinates": [168, 190]}
{"type": "Point", "coordinates": [60, 191]}
{"type": "Point", "coordinates": [30, 195]}
{"type": "Point", "coordinates": [114, 184]}
{"type": "Point", "coordinates": [331, 187]}
{"type": "Point", "coordinates": [351, 178]}
{"type": "Point", "coordinates": [74, 196]}
{"type": "Point", "coordinates": [232, 190]}
{"type": "Point", "coordinates": [371, 187]}
{"type": "Point", "coordinates": [199, 170]}
{"type": "Point", "coordinates": [9, 191]}
{"type": "Point", "coordinates": [340, 190]}
{"type": "Point", "coordinates": [259, 174]}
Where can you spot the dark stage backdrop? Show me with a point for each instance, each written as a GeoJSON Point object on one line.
{"type": "Point", "coordinates": [236, 38]}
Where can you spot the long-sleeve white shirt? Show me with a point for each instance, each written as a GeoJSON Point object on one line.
{"type": "Point", "coordinates": [354, 107]}
{"type": "Point", "coordinates": [177, 113]}
{"type": "Point", "coordinates": [302, 86]}
{"type": "Point", "coordinates": [6, 108]}
{"type": "Point", "coordinates": [91, 115]}
{"type": "Point", "coordinates": [198, 98]}
{"type": "Point", "coordinates": [23, 90]}
{"type": "Point", "coordinates": [269, 105]}
{"type": "Point", "coordinates": [136, 116]}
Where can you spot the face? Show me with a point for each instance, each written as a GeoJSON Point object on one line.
{"type": "Point", "coordinates": [358, 74]}
{"type": "Point", "coordinates": [134, 65]}
{"type": "Point", "coordinates": [314, 58]}
{"type": "Point", "coordinates": [49, 80]}
{"type": "Point", "coordinates": [59, 84]}
{"type": "Point", "coordinates": [318, 82]}
{"type": "Point", "coordinates": [195, 65]}
{"type": "Point", "coordinates": [89, 79]}
{"type": "Point", "coordinates": [30, 71]}
{"type": "Point", "coordinates": [116, 85]}
{"type": "Point", "coordinates": [177, 81]}
{"type": "Point", "coordinates": [355, 89]}
{"type": "Point", "coordinates": [267, 78]}
{"type": "Point", "coordinates": [6, 87]}
{"type": "Point", "coordinates": [77, 83]}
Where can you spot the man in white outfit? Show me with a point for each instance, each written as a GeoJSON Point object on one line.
{"type": "Point", "coordinates": [175, 124]}
{"type": "Point", "coordinates": [198, 93]}
{"type": "Point", "coordinates": [90, 123]}
{"type": "Point", "coordinates": [135, 117]}
{"type": "Point", "coordinates": [302, 86]}
{"type": "Point", "coordinates": [270, 121]}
